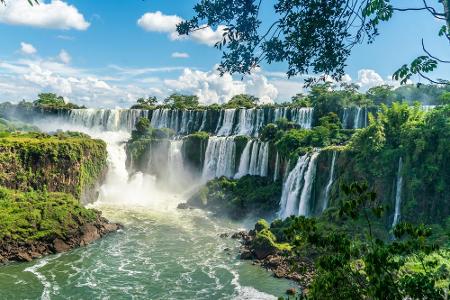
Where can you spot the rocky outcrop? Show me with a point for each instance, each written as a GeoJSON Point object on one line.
{"type": "Point", "coordinates": [70, 163]}
{"type": "Point", "coordinates": [77, 237]}
{"type": "Point", "coordinates": [258, 247]}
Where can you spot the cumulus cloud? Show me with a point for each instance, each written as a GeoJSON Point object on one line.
{"type": "Point", "coordinates": [64, 56]}
{"type": "Point", "coordinates": [55, 15]}
{"type": "Point", "coordinates": [180, 55]}
{"type": "Point", "coordinates": [369, 78]}
{"type": "Point", "coordinates": [159, 22]}
{"type": "Point", "coordinates": [27, 48]}
{"type": "Point", "coordinates": [210, 87]}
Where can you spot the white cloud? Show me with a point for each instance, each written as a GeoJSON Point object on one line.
{"type": "Point", "coordinates": [64, 56]}
{"type": "Point", "coordinates": [369, 78]}
{"type": "Point", "coordinates": [210, 87]}
{"type": "Point", "coordinates": [27, 48]}
{"type": "Point", "coordinates": [180, 55]}
{"type": "Point", "coordinates": [55, 15]}
{"type": "Point", "coordinates": [158, 22]}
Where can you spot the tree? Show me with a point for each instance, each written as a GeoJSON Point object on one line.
{"type": "Point", "coordinates": [145, 103]}
{"type": "Point", "coordinates": [179, 101]}
{"type": "Point", "coordinates": [383, 94]}
{"type": "Point", "coordinates": [353, 262]}
{"type": "Point", "coordinates": [301, 100]}
{"type": "Point", "coordinates": [49, 99]}
{"type": "Point", "coordinates": [309, 35]}
{"type": "Point", "coordinates": [242, 100]}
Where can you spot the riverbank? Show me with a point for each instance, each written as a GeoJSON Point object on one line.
{"type": "Point", "coordinates": [35, 224]}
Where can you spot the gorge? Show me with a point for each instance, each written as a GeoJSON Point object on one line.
{"type": "Point", "coordinates": [150, 175]}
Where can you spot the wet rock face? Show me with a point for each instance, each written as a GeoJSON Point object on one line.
{"type": "Point", "coordinates": [85, 235]}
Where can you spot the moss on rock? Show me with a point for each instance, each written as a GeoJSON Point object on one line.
{"type": "Point", "coordinates": [69, 163]}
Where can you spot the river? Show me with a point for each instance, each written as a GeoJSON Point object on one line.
{"type": "Point", "coordinates": [162, 252]}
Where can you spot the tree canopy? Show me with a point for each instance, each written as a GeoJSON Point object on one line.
{"type": "Point", "coordinates": [311, 36]}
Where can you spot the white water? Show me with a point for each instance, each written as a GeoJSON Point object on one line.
{"type": "Point", "coordinates": [219, 158]}
{"type": "Point", "coordinates": [297, 188]}
{"type": "Point", "coordinates": [162, 253]}
{"type": "Point", "coordinates": [276, 173]}
{"type": "Point", "coordinates": [254, 159]}
{"type": "Point", "coordinates": [326, 196]}
{"type": "Point", "coordinates": [310, 175]}
{"type": "Point", "coordinates": [227, 123]}
{"type": "Point", "coordinates": [291, 188]}
{"type": "Point", "coordinates": [398, 193]}
{"type": "Point", "coordinates": [107, 119]}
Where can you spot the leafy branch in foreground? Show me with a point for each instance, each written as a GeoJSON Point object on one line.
{"type": "Point", "coordinates": [311, 36]}
{"type": "Point", "coordinates": [360, 265]}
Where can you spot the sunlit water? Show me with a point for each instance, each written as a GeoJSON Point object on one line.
{"type": "Point", "coordinates": [176, 255]}
{"type": "Point", "coordinates": [162, 252]}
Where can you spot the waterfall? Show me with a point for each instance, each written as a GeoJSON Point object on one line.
{"type": "Point", "coordinates": [297, 188]}
{"type": "Point", "coordinates": [183, 122]}
{"type": "Point", "coordinates": [310, 175]}
{"type": "Point", "coordinates": [107, 119]}
{"type": "Point", "coordinates": [246, 121]}
{"type": "Point", "coordinates": [303, 117]}
{"type": "Point", "coordinates": [204, 117]}
{"type": "Point", "coordinates": [326, 196]}
{"type": "Point", "coordinates": [357, 121]}
{"type": "Point", "coordinates": [227, 123]}
{"type": "Point", "coordinates": [291, 188]}
{"type": "Point", "coordinates": [175, 163]}
{"type": "Point", "coordinates": [398, 193]}
{"type": "Point", "coordinates": [254, 159]}
{"type": "Point", "coordinates": [219, 158]}
{"type": "Point", "coordinates": [276, 173]}
{"type": "Point", "coordinates": [245, 161]}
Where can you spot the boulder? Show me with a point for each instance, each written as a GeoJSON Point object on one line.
{"type": "Point", "coordinates": [89, 234]}
{"type": "Point", "coordinates": [264, 245]}
{"type": "Point", "coordinates": [246, 254]}
{"type": "Point", "coordinates": [60, 246]}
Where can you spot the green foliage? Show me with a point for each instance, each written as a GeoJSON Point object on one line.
{"type": "Point", "coordinates": [242, 101]}
{"type": "Point", "coordinates": [309, 36]}
{"type": "Point", "coordinates": [40, 215]}
{"type": "Point", "coordinates": [301, 100]}
{"type": "Point", "coordinates": [250, 195]}
{"type": "Point", "coordinates": [65, 162]}
{"type": "Point", "coordinates": [53, 101]}
{"type": "Point", "coordinates": [145, 103]}
{"type": "Point", "coordinates": [178, 101]}
{"type": "Point", "coordinates": [366, 267]}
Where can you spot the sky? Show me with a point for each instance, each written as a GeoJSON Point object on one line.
{"type": "Point", "coordinates": [107, 53]}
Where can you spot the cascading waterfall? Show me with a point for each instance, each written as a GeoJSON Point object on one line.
{"type": "Point", "coordinates": [219, 158]}
{"type": "Point", "coordinates": [227, 123]}
{"type": "Point", "coordinates": [175, 163]}
{"type": "Point", "coordinates": [254, 159]}
{"type": "Point", "coordinates": [326, 196]}
{"type": "Point", "coordinates": [107, 119]}
{"type": "Point", "coordinates": [297, 189]}
{"type": "Point", "coordinates": [356, 123]}
{"type": "Point", "coordinates": [310, 175]}
{"type": "Point", "coordinates": [355, 117]}
{"type": "Point", "coordinates": [303, 117]}
{"type": "Point", "coordinates": [291, 188]}
{"type": "Point", "coordinates": [231, 121]}
{"type": "Point", "coordinates": [276, 173]}
{"type": "Point", "coordinates": [398, 193]}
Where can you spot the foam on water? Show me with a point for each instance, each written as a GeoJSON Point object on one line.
{"type": "Point", "coordinates": [163, 253]}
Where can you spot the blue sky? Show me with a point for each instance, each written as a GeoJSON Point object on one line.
{"type": "Point", "coordinates": [107, 53]}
